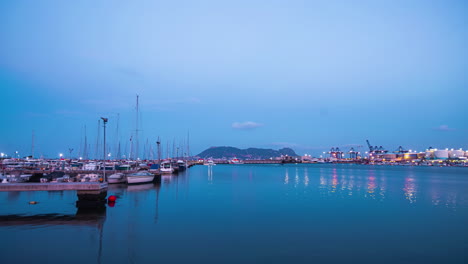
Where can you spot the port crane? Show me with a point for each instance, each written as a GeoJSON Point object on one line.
{"type": "Point", "coordinates": [353, 154]}
{"type": "Point", "coordinates": [401, 150]}
{"type": "Point", "coordinates": [371, 149]}
{"type": "Point", "coordinates": [336, 153]}
{"type": "Point", "coordinates": [375, 149]}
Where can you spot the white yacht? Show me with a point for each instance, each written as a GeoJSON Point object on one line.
{"type": "Point", "coordinates": [166, 167]}
{"type": "Point", "coordinates": [140, 177]}
{"type": "Point", "coordinates": [90, 177]}
{"type": "Point", "coordinates": [210, 162]}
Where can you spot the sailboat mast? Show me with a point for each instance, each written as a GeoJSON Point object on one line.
{"type": "Point", "coordinates": [85, 149]}
{"type": "Point", "coordinates": [130, 156]}
{"type": "Point", "coordinates": [167, 149]}
{"type": "Point", "coordinates": [118, 152]}
{"type": "Point", "coordinates": [159, 151]}
{"type": "Point", "coordinates": [80, 146]}
{"type": "Point", "coordinates": [117, 137]}
{"type": "Point", "coordinates": [96, 155]}
{"type": "Point", "coordinates": [188, 144]}
{"type": "Point", "coordinates": [32, 145]}
{"type": "Point", "coordinates": [136, 131]}
{"type": "Point", "coordinates": [173, 148]}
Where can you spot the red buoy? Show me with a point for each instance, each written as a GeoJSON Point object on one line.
{"type": "Point", "coordinates": [112, 198]}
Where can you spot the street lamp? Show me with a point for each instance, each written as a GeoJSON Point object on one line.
{"type": "Point", "coordinates": [159, 152]}
{"type": "Point", "coordinates": [104, 120]}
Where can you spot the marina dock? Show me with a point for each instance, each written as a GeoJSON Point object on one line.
{"type": "Point", "coordinates": [54, 186]}
{"type": "Point", "coordinates": [90, 194]}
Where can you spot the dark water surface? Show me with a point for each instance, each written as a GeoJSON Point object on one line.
{"type": "Point", "coordinates": [251, 214]}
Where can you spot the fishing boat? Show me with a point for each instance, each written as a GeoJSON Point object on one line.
{"type": "Point", "coordinates": [182, 165]}
{"type": "Point", "coordinates": [117, 178]}
{"type": "Point", "coordinates": [140, 177]}
{"type": "Point", "coordinates": [154, 168]}
{"type": "Point", "coordinates": [166, 167]}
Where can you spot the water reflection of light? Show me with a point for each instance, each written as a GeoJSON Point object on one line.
{"type": "Point", "coordinates": [286, 177]}
{"type": "Point", "coordinates": [382, 187]}
{"type": "Point", "coordinates": [210, 174]}
{"type": "Point", "coordinates": [350, 185]}
{"type": "Point", "coordinates": [371, 184]}
{"type": "Point", "coordinates": [306, 177]}
{"type": "Point", "coordinates": [334, 180]}
{"type": "Point", "coordinates": [435, 198]}
{"type": "Point", "coordinates": [410, 189]}
{"type": "Point", "coordinates": [449, 200]}
{"type": "Point", "coordinates": [323, 181]}
{"type": "Point", "coordinates": [296, 178]}
{"type": "Point", "coordinates": [343, 181]}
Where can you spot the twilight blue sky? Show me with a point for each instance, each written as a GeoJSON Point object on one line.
{"type": "Point", "coordinates": [306, 74]}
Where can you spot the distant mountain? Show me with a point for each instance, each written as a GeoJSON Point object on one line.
{"type": "Point", "coordinates": [250, 153]}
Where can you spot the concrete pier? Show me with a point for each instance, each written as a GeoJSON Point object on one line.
{"type": "Point", "coordinates": [53, 186]}
{"type": "Point", "coordinates": [90, 194]}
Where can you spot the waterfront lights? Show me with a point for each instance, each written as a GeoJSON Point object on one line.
{"type": "Point", "coordinates": [2, 154]}
{"type": "Point", "coordinates": [60, 155]}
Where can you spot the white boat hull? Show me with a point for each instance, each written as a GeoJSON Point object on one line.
{"type": "Point", "coordinates": [117, 178]}
{"type": "Point", "coordinates": [166, 170]}
{"type": "Point", "coordinates": [113, 181]}
{"type": "Point", "coordinates": [139, 179]}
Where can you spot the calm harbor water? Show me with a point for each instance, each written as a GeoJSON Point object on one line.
{"type": "Point", "coordinates": [304, 213]}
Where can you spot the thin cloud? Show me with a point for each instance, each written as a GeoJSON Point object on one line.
{"type": "Point", "coordinates": [444, 128]}
{"type": "Point", "coordinates": [284, 144]}
{"type": "Point", "coordinates": [246, 125]}
{"type": "Point", "coordinates": [295, 146]}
